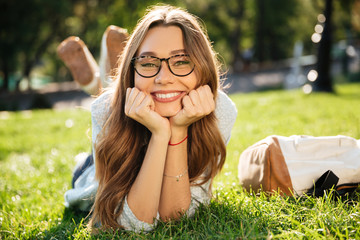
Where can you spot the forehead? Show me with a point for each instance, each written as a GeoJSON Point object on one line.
{"type": "Point", "coordinates": [162, 41]}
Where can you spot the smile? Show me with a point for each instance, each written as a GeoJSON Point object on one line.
{"type": "Point", "coordinates": [167, 96]}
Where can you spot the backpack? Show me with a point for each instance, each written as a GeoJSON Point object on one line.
{"type": "Point", "coordinates": [299, 165]}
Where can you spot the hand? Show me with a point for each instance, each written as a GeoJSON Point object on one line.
{"type": "Point", "coordinates": [140, 107]}
{"type": "Point", "coordinates": [196, 105]}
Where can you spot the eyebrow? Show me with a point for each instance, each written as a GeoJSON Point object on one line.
{"type": "Point", "coordinates": [154, 54]}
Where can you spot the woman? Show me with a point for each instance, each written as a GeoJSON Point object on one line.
{"type": "Point", "coordinates": [158, 143]}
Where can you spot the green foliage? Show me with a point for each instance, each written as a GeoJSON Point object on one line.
{"type": "Point", "coordinates": [37, 150]}
{"type": "Point", "coordinates": [31, 30]}
{"type": "Point", "coordinates": [27, 29]}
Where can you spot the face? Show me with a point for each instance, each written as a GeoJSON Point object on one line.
{"type": "Point", "coordinates": [166, 89]}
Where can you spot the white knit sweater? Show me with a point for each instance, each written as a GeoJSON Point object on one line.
{"type": "Point", "coordinates": [83, 193]}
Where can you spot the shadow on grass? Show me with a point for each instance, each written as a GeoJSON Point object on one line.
{"type": "Point", "coordinates": [73, 225]}
{"type": "Point", "coordinates": [238, 215]}
{"type": "Point", "coordinates": [71, 221]}
{"type": "Point", "coordinates": [215, 221]}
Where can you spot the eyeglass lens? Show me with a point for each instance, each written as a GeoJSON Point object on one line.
{"type": "Point", "coordinates": [149, 66]}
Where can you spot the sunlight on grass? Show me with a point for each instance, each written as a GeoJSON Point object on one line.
{"type": "Point", "coordinates": [37, 156]}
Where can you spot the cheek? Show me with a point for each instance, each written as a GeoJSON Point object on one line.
{"type": "Point", "coordinates": [137, 81]}
{"type": "Point", "coordinates": [196, 78]}
{"type": "Point", "coordinates": [191, 82]}
{"type": "Point", "coordinates": [194, 82]}
{"type": "Point", "coordinates": [141, 83]}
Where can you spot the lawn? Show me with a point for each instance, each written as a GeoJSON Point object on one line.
{"type": "Point", "coordinates": [37, 150]}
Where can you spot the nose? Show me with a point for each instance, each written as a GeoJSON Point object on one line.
{"type": "Point", "coordinates": [164, 76]}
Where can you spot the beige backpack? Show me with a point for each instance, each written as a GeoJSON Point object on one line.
{"type": "Point", "coordinates": [301, 165]}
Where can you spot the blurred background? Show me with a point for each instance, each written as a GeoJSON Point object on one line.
{"type": "Point", "coordinates": [262, 43]}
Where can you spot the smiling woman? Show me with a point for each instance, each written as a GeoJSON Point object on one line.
{"type": "Point", "coordinates": [159, 132]}
{"type": "Point", "coordinates": [171, 77]}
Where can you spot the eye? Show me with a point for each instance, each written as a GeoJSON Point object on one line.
{"type": "Point", "coordinates": [148, 62]}
{"type": "Point", "coordinates": [179, 63]}
{"type": "Point", "coordinates": [148, 65]}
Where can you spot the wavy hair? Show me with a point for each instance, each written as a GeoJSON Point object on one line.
{"type": "Point", "coordinates": [122, 144]}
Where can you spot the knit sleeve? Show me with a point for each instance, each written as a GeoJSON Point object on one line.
{"type": "Point", "coordinates": [199, 195]}
{"type": "Point", "coordinates": [226, 114]}
{"type": "Point", "coordinates": [100, 111]}
{"type": "Point", "coordinates": [85, 187]}
{"type": "Point", "coordinates": [130, 222]}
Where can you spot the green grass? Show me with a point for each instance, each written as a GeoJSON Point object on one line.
{"type": "Point", "coordinates": [37, 152]}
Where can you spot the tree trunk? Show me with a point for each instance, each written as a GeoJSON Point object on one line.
{"type": "Point", "coordinates": [324, 82]}
{"type": "Point", "coordinates": [28, 65]}
{"type": "Point", "coordinates": [6, 71]}
{"type": "Point", "coordinates": [236, 38]}
{"type": "Point", "coordinates": [30, 61]}
{"type": "Point", "coordinates": [260, 45]}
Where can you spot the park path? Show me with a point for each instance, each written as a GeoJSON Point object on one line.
{"type": "Point", "coordinates": [67, 95]}
{"type": "Point", "coordinates": [63, 95]}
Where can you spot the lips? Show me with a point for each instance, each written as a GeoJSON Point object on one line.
{"type": "Point", "coordinates": [167, 96]}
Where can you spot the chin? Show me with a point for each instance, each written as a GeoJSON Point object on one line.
{"type": "Point", "coordinates": [167, 111]}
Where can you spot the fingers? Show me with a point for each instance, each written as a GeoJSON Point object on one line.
{"type": "Point", "coordinates": [199, 102]}
{"type": "Point", "coordinates": [145, 103]}
{"type": "Point", "coordinates": [138, 104]}
{"type": "Point", "coordinates": [140, 107]}
{"type": "Point", "coordinates": [134, 105]}
{"type": "Point", "coordinates": [128, 103]}
{"type": "Point", "coordinates": [134, 98]}
{"type": "Point", "coordinates": [209, 96]}
{"type": "Point", "coordinates": [207, 99]}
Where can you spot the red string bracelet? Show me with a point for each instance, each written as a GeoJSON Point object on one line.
{"type": "Point", "coordinates": [174, 144]}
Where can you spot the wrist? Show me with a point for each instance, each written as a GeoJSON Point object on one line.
{"type": "Point", "coordinates": [175, 144]}
{"type": "Point", "coordinates": [162, 130]}
{"type": "Point", "coordinates": [178, 134]}
{"type": "Point", "coordinates": [161, 135]}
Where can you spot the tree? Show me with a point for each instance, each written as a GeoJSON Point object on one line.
{"type": "Point", "coordinates": [323, 82]}
{"type": "Point", "coordinates": [30, 30]}
{"type": "Point", "coordinates": [224, 22]}
{"type": "Point", "coordinates": [274, 38]}
{"type": "Point", "coordinates": [27, 30]}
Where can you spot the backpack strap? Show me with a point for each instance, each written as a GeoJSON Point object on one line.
{"type": "Point", "coordinates": [346, 188]}
{"type": "Point", "coordinates": [329, 181]}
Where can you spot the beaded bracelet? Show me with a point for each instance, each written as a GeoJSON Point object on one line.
{"type": "Point", "coordinates": [174, 144]}
{"type": "Point", "coordinates": [178, 176]}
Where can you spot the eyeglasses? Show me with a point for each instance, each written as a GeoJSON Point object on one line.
{"type": "Point", "coordinates": [148, 66]}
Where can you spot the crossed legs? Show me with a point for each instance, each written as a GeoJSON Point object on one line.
{"type": "Point", "coordinates": [83, 67]}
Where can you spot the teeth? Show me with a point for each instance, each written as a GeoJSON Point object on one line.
{"type": "Point", "coordinates": [167, 95]}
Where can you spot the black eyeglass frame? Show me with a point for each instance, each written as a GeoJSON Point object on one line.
{"type": "Point", "coordinates": [161, 59]}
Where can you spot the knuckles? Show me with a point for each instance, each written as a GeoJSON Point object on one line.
{"type": "Point", "coordinates": [140, 112]}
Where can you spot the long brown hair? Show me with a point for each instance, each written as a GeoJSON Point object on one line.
{"type": "Point", "coordinates": [121, 146]}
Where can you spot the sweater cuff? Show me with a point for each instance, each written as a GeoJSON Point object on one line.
{"type": "Point", "coordinates": [129, 221]}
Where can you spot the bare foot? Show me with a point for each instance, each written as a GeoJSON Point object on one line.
{"type": "Point", "coordinates": [81, 63]}
{"type": "Point", "coordinates": [115, 42]}
{"type": "Point", "coordinates": [112, 45]}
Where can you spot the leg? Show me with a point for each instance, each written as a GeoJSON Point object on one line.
{"type": "Point", "coordinates": [112, 45]}
{"type": "Point", "coordinates": [85, 164]}
{"type": "Point", "coordinates": [81, 63]}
